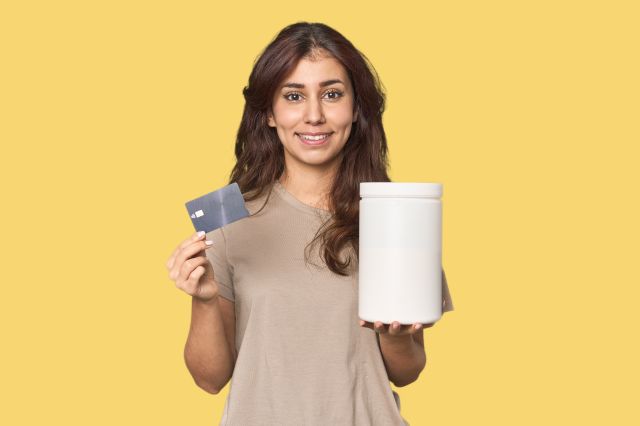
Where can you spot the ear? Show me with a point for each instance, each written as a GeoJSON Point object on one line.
{"type": "Point", "coordinates": [355, 115]}
{"type": "Point", "coordinates": [270, 120]}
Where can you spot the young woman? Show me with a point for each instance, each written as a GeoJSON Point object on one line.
{"type": "Point", "coordinates": [274, 295]}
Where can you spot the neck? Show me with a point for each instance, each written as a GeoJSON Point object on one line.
{"type": "Point", "coordinates": [311, 186]}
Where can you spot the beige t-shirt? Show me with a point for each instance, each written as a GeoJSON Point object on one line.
{"type": "Point", "coordinates": [303, 358]}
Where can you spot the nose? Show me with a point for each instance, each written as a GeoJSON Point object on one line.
{"type": "Point", "coordinates": [313, 112]}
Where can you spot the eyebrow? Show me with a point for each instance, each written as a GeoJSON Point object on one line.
{"type": "Point", "coordinates": [322, 84]}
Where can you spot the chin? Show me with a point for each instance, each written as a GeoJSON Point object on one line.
{"type": "Point", "coordinates": [314, 158]}
{"type": "Point", "coordinates": [314, 161]}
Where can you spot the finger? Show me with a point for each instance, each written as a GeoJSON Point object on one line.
{"type": "Point", "coordinates": [379, 327]}
{"type": "Point", "coordinates": [194, 237]}
{"type": "Point", "coordinates": [407, 328]}
{"type": "Point", "coordinates": [194, 278]}
{"type": "Point", "coordinates": [416, 328]}
{"type": "Point", "coordinates": [187, 269]}
{"type": "Point", "coordinates": [395, 328]}
{"type": "Point", "coordinates": [189, 286]}
{"type": "Point", "coordinates": [186, 253]}
{"type": "Point", "coordinates": [398, 329]}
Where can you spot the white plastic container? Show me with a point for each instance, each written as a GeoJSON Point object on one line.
{"type": "Point", "coordinates": [400, 254]}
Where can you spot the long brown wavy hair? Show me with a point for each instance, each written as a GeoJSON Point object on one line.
{"type": "Point", "coordinates": [260, 153]}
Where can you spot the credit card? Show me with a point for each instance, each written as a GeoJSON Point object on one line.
{"type": "Point", "coordinates": [217, 209]}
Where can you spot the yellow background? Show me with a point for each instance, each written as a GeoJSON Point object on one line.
{"type": "Point", "coordinates": [114, 113]}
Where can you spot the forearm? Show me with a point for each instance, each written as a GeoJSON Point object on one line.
{"type": "Point", "coordinates": [404, 358]}
{"type": "Point", "coordinates": [207, 353]}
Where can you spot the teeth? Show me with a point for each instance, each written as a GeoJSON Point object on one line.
{"type": "Point", "coordinates": [314, 138]}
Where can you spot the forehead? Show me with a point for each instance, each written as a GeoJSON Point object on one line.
{"type": "Point", "coordinates": [311, 72]}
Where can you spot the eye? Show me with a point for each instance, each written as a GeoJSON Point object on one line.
{"type": "Point", "coordinates": [291, 94]}
{"type": "Point", "coordinates": [332, 94]}
{"type": "Point", "coordinates": [338, 94]}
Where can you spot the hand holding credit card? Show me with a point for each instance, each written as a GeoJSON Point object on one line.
{"type": "Point", "coordinates": [217, 209]}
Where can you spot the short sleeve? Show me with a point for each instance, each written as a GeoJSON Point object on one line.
{"type": "Point", "coordinates": [447, 303]}
{"type": "Point", "coordinates": [217, 255]}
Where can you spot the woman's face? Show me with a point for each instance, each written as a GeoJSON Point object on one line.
{"type": "Point", "coordinates": [312, 112]}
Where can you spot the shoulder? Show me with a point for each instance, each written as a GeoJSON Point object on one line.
{"type": "Point", "coordinates": [258, 210]}
{"type": "Point", "coordinates": [256, 201]}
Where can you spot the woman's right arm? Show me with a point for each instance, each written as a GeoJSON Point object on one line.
{"type": "Point", "coordinates": [210, 349]}
{"type": "Point", "coordinates": [208, 353]}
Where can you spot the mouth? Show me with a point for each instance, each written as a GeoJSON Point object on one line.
{"type": "Point", "coordinates": [318, 139]}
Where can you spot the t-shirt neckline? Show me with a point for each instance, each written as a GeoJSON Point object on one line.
{"type": "Point", "coordinates": [289, 198]}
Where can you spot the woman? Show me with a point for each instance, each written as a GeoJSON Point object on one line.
{"type": "Point", "coordinates": [268, 311]}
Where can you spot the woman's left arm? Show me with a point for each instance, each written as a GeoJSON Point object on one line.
{"type": "Point", "coordinates": [402, 351]}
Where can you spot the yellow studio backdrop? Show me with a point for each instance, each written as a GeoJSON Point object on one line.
{"type": "Point", "coordinates": [115, 113]}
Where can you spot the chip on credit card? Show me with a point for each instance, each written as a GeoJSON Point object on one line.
{"type": "Point", "coordinates": [217, 209]}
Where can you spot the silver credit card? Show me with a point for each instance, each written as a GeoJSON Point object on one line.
{"type": "Point", "coordinates": [217, 208]}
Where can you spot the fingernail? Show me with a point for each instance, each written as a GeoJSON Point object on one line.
{"type": "Point", "coordinates": [395, 326]}
{"type": "Point", "coordinates": [361, 323]}
{"type": "Point", "coordinates": [418, 326]}
{"type": "Point", "coordinates": [208, 242]}
{"type": "Point", "coordinates": [200, 234]}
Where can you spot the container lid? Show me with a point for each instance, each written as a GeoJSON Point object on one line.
{"type": "Point", "coordinates": [401, 189]}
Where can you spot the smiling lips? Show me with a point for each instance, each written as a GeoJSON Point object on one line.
{"type": "Point", "coordinates": [313, 138]}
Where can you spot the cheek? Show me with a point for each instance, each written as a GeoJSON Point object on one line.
{"type": "Point", "coordinates": [342, 117]}
{"type": "Point", "coordinates": [287, 117]}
